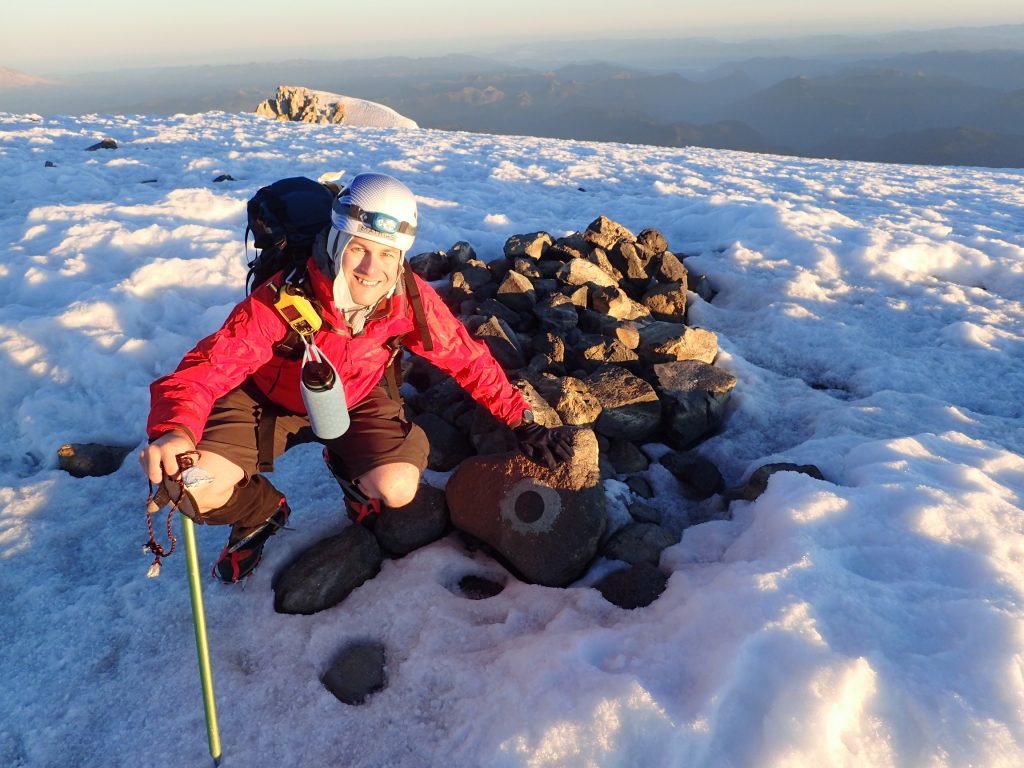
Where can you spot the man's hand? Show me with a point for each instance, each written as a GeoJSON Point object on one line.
{"type": "Point", "coordinates": [547, 447]}
{"type": "Point", "coordinates": [161, 456]}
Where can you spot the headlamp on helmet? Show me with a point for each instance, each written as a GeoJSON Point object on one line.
{"type": "Point", "coordinates": [377, 207]}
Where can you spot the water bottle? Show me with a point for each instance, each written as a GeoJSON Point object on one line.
{"type": "Point", "coordinates": [323, 395]}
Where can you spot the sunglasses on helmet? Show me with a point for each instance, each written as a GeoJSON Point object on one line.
{"type": "Point", "coordinates": [379, 222]}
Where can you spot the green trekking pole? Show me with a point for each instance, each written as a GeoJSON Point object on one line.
{"type": "Point", "coordinates": [157, 499]}
{"type": "Point", "coordinates": [202, 648]}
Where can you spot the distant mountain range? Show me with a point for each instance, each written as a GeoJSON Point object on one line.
{"type": "Point", "coordinates": [919, 105]}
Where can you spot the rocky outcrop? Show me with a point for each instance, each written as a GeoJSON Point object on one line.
{"type": "Point", "coordinates": [297, 104]}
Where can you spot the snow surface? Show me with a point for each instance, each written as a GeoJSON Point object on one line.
{"type": "Point", "coordinates": [871, 313]}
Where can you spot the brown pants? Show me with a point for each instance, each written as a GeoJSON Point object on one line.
{"type": "Point", "coordinates": [250, 431]}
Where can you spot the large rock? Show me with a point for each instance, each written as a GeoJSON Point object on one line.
{"type": "Point", "coordinates": [546, 524]}
{"type": "Point", "coordinates": [583, 272]}
{"type": "Point", "coordinates": [594, 351]}
{"type": "Point", "coordinates": [695, 395]}
{"type": "Point", "coordinates": [667, 268]}
{"type": "Point", "coordinates": [400, 530]}
{"type": "Point", "coordinates": [652, 240]}
{"type": "Point", "coordinates": [616, 303]}
{"type": "Point", "coordinates": [663, 342]}
{"type": "Point", "coordinates": [326, 573]}
{"type": "Point", "coordinates": [432, 265]}
{"type": "Point", "coordinates": [572, 400]}
{"type": "Point", "coordinates": [666, 301]}
{"type": "Point", "coordinates": [557, 313]}
{"type": "Point", "coordinates": [605, 233]}
{"type": "Point", "coordinates": [631, 260]}
{"type": "Point", "coordinates": [502, 342]}
{"type": "Point", "coordinates": [631, 409]}
{"type": "Point", "coordinates": [532, 245]}
{"type": "Point", "coordinates": [517, 292]}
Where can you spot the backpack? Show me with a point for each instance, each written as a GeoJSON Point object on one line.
{"type": "Point", "coordinates": [285, 219]}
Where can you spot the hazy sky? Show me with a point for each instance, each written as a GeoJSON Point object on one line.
{"type": "Point", "coordinates": [62, 36]}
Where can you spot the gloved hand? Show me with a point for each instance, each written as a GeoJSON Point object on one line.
{"type": "Point", "coordinates": [547, 447]}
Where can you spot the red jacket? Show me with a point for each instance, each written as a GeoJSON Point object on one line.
{"type": "Point", "coordinates": [243, 347]}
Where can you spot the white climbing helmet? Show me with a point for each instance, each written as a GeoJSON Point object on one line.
{"type": "Point", "coordinates": [376, 207]}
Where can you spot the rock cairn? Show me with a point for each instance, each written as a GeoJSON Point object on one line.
{"type": "Point", "coordinates": [592, 327]}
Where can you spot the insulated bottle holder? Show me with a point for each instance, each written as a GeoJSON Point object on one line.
{"type": "Point", "coordinates": [323, 395]}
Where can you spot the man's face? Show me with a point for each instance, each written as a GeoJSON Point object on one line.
{"type": "Point", "coordinates": [370, 269]}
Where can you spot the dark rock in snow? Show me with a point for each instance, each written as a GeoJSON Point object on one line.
{"type": "Point", "coordinates": [323, 575]}
{"type": "Point", "coordinates": [479, 587]}
{"type": "Point", "coordinates": [357, 672]}
{"type": "Point", "coordinates": [104, 144]}
{"type": "Point", "coordinates": [461, 253]}
{"type": "Point", "coordinates": [758, 481]}
{"type": "Point", "coordinates": [635, 587]}
{"type": "Point", "coordinates": [91, 459]}
{"type": "Point", "coordinates": [700, 478]}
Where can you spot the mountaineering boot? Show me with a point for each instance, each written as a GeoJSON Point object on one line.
{"type": "Point", "coordinates": [359, 507]}
{"type": "Point", "coordinates": [240, 557]}
{"type": "Point", "coordinates": [256, 511]}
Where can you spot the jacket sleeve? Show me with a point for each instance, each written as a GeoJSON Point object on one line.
{"type": "Point", "coordinates": [216, 365]}
{"type": "Point", "coordinates": [465, 359]}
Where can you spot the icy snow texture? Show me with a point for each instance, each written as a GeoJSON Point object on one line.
{"type": "Point", "coordinates": [872, 315]}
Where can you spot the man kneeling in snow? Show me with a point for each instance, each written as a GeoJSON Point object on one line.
{"type": "Point", "coordinates": [235, 401]}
